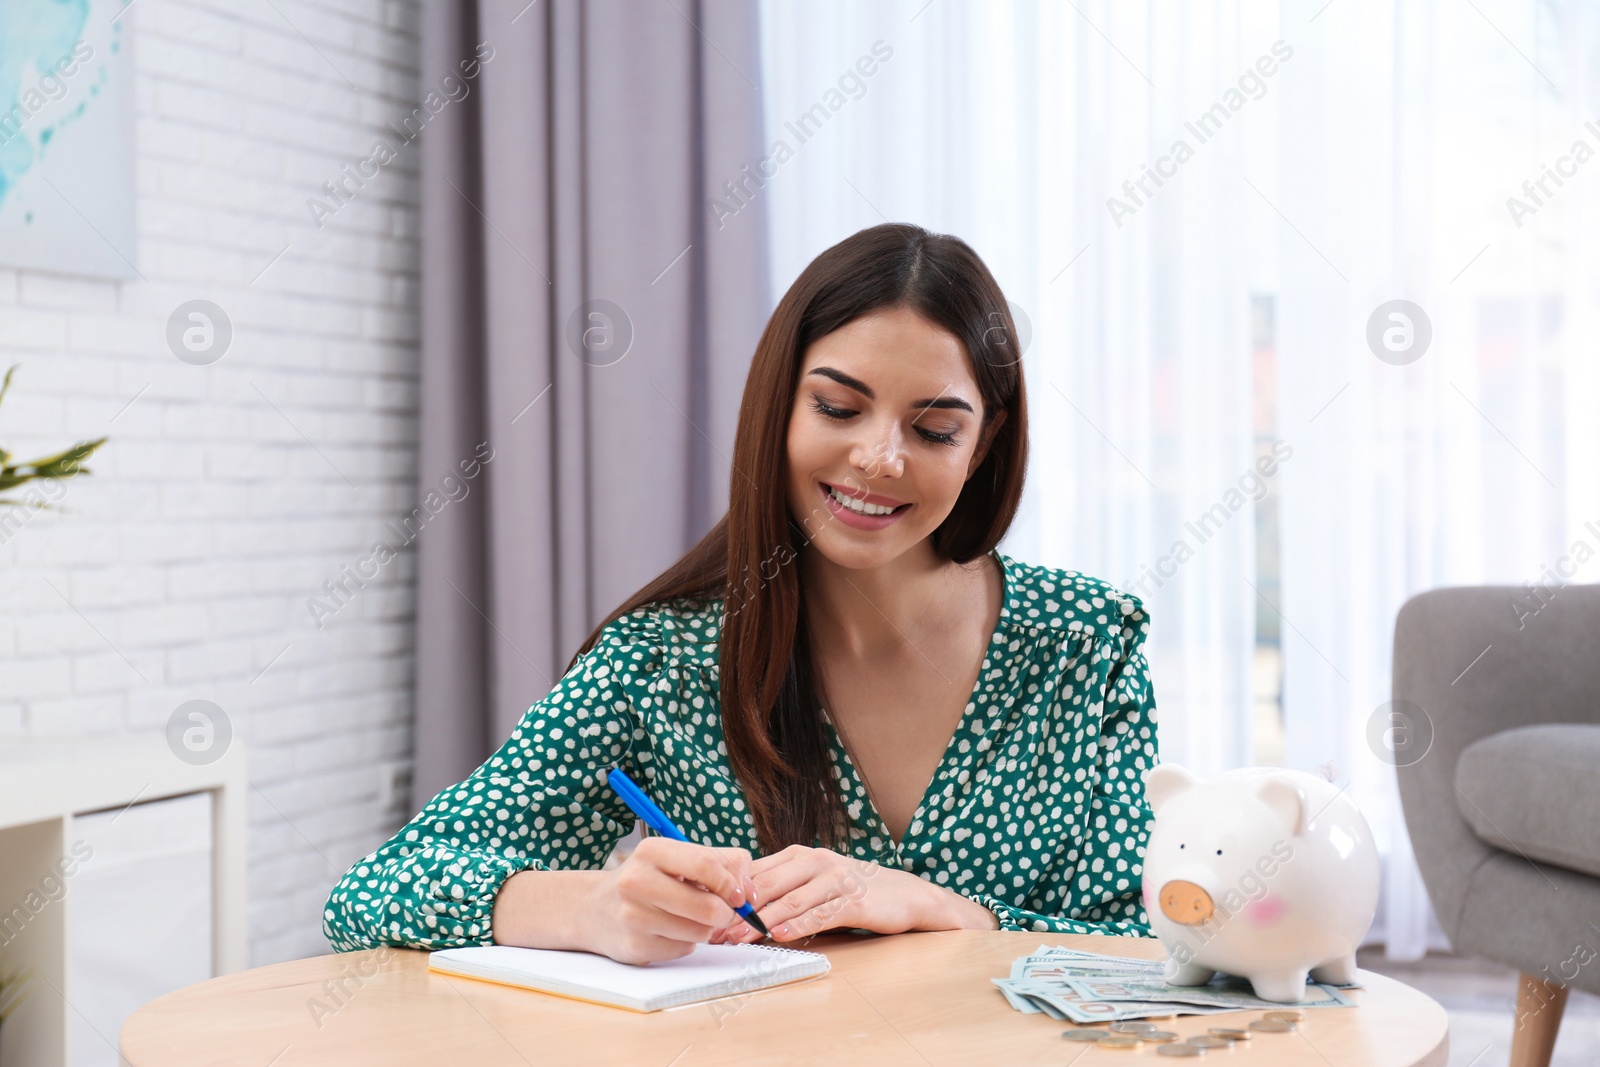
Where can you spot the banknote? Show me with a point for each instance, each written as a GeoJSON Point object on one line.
{"type": "Point", "coordinates": [1048, 952]}
{"type": "Point", "coordinates": [1090, 958]}
{"type": "Point", "coordinates": [1074, 985]}
{"type": "Point", "coordinates": [1039, 1004]}
{"type": "Point", "coordinates": [1062, 1002]}
{"type": "Point", "coordinates": [1058, 1002]}
{"type": "Point", "coordinates": [1233, 981]}
{"type": "Point", "coordinates": [1070, 963]}
{"type": "Point", "coordinates": [1064, 968]}
{"type": "Point", "coordinates": [1236, 999]}
{"type": "Point", "coordinates": [1015, 999]}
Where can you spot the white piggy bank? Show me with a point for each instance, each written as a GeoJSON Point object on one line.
{"type": "Point", "coordinates": [1261, 872]}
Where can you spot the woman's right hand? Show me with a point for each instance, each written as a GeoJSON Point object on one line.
{"type": "Point", "coordinates": [664, 898]}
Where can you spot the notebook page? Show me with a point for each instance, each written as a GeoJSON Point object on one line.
{"type": "Point", "coordinates": [709, 969]}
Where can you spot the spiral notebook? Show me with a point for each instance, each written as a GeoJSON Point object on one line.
{"type": "Point", "coordinates": [709, 972]}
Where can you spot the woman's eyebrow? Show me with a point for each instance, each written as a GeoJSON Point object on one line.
{"type": "Point", "coordinates": [866, 390]}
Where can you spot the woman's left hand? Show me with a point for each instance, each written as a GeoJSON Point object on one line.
{"type": "Point", "coordinates": [803, 891]}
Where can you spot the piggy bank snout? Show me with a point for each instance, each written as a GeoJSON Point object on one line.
{"type": "Point", "coordinates": [1186, 903]}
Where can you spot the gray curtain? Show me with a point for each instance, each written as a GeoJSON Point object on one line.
{"type": "Point", "coordinates": [566, 188]}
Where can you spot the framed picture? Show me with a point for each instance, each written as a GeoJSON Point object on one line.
{"type": "Point", "coordinates": [66, 138]}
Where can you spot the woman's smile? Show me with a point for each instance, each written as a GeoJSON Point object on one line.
{"type": "Point", "coordinates": [863, 511]}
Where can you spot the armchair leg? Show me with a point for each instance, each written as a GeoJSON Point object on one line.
{"type": "Point", "coordinates": [1539, 1008]}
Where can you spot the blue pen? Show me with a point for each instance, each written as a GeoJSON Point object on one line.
{"type": "Point", "coordinates": [657, 820]}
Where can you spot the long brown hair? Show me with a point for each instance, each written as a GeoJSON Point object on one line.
{"type": "Point", "coordinates": [770, 700]}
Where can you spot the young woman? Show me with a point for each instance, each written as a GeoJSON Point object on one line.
{"type": "Point", "coordinates": [844, 678]}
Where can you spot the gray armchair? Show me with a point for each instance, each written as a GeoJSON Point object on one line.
{"type": "Point", "coordinates": [1497, 721]}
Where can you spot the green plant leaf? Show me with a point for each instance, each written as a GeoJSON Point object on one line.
{"type": "Point", "coordinates": [64, 464]}
{"type": "Point", "coordinates": [67, 463]}
{"type": "Point", "coordinates": [7, 383]}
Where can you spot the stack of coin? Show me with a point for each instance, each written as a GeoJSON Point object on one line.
{"type": "Point", "coordinates": [1273, 1026]}
{"type": "Point", "coordinates": [1122, 1035]}
{"type": "Point", "coordinates": [1133, 1034]}
{"type": "Point", "coordinates": [1088, 1037]}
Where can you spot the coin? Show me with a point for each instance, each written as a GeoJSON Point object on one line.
{"type": "Point", "coordinates": [1207, 1041]}
{"type": "Point", "coordinates": [1288, 1015]}
{"type": "Point", "coordinates": [1132, 1027]}
{"type": "Point", "coordinates": [1158, 1037]}
{"type": "Point", "coordinates": [1180, 1050]}
{"type": "Point", "coordinates": [1273, 1026]}
{"type": "Point", "coordinates": [1119, 1041]}
{"type": "Point", "coordinates": [1086, 1036]}
{"type": "Point", "coordinates": [1230, 1033]}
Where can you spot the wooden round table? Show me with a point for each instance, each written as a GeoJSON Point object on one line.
{"type": "Point", "coordinates": [919, 998]}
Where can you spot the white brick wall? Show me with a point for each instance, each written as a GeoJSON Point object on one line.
{"type": "Point", "coordinates": [189, 553]}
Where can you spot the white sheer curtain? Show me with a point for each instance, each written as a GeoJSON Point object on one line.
{"type": "Point", "coordinates": [1404, 133]}
{"type": "Point", "coordinates": [1010, 125]}
{"type": "Point", "coordinates": [1371, 159]}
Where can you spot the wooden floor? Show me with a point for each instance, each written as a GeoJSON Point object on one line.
{"type": "Point", "coordinates": [1479, 998]}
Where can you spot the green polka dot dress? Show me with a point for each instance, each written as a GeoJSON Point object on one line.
{"type": "Point", "coordinates": [1036, 810]}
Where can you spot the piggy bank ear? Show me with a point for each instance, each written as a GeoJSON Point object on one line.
{"type": "Point", "coordinates": [1287, 800]}
{"type": "Point", "coordinates": [1165, 781]}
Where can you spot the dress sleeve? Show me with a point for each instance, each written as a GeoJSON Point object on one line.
{"type": "Point", "coordinates": [1097, 883]}
{"type": "Point", "coordinates": [538, 803]}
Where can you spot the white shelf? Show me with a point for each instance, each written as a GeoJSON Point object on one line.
{"type": "Point", "coordinates": [44, 783]}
